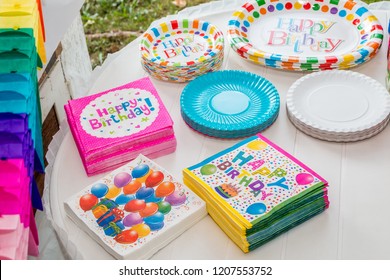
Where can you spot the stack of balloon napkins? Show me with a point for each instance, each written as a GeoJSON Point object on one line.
{"type": "Point", "coordinates": [338, 105]}
{"type": "Point", "coordinates": [135, 210]}
{"type": "Point", "coordinates": [179, 50]}
{"type": "Point", "coordinates": [255, 191]}
{"type": "Point", "coordinates": [21, 149]}
{"type": "Point", "coordinates": [308, 35]}
{"type": "Point", "coordinates": [229, 104]}
{"type": "Point", "coordinates": [113, 127]}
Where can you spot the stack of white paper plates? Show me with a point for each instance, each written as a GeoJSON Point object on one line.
{"type": "Point", "coordinates": [337, 105]}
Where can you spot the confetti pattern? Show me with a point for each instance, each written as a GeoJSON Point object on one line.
{"type": "Point", "coordinates": [255, 176]}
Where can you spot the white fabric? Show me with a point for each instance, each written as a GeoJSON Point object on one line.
{"type": "Point", "coordinates": [58, 15]}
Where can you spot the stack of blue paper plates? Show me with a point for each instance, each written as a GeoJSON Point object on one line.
{"type": "Point", "coordinates": [229, 104]}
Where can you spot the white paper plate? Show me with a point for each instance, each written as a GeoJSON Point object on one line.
{"type": "Point", "coordinates": [338, 102]}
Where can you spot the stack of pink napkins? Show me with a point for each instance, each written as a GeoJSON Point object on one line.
{"type": "Point", "coordinates": [115, 126]}
{"type": "Point", "coordinates": [18, 232]}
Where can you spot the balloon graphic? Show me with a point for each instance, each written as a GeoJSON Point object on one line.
{"type": "Point", "coordinates": [257, 145]}
{"type": "Point", "coordinates": [208, 169]}
{"type": "Point", "coordinates": [144, 193]}
{"type": "Point", "coordinates": [155, 226]}
{"type": "Point", "coordinates": [122, 179]}
{"type": "Point", "coordinates": [88, 201]}
{"type": "Point", "coordinates": [143, 178]}
{"type": "Point", "coordinates": [165, 189]}
{"type": "Point", "coordinates": [150, 209]}
{"type": "Point", "coordinates": [99, 190]}
{"type": "Point", "coordinates": [142, 230]}
{"type": "Point", "coordinates": [132, 219]}
{"type": "Point", "coordinates": [164, 207]}
{"type": "Point", "coordinates": [304, 178]}
{"type": "Point", "coordinates": [132, 187]}
{"type": "Point", "coordinates": [256, 208]}
{"type": "Point", "coordinates": [156, 218]}
{"type": "Point", "coordinates": [176, 198]}
{"type": "Point", "coordinates": [122, 199]}
{"type": "Point", "coordinates": [140, 171]}
{"type": "Point", "coordinates": [127, 236]}
{"type": "Point", "coordinates": [154, 178]}
{"type": "Point", "coordinates": [113, 192]}
{"type": "Point", "coordinates": [135, 205]}
{"type": "Point", "coordinates": [153, 198]}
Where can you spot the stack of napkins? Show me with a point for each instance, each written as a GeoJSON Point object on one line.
{"type": "Point", "coordinates": [113, 127]}
{"type": "Point", "coordinates": [255, 191]}
{"type": "Point", "coordinates": [135, 210]}
{"type": "Point", "coordinates": [21, 149]}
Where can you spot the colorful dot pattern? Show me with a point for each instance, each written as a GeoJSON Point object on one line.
{"type": "Point", "coordinates": [272, 195]}
{"type": "Point", "coordinates": [204, 31]}
{"type": "Point", "coordinates": [367, 25]}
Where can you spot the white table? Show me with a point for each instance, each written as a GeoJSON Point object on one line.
{"type": "Point", "coordinates": [356, 226]}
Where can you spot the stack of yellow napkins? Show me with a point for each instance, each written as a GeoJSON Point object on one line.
{"type": "Point", "coordinates": [255, 191]}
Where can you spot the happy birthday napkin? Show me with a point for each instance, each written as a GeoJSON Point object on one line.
{"type": "Point", "coordinates": [255, 191]}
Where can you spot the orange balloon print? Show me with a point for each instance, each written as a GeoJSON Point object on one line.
{"type": "Point", "coordinates": [132, 187]}
{"type": "Point", "coordinates": [150, 209]}
{"type": "Point", "coordinates": [165, 189]}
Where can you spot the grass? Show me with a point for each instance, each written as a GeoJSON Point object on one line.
{"type": "Point", "coordinates": [112, 24]}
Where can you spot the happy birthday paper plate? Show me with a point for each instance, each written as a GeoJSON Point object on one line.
{"type": "Point", "coordinates": [230, 104]}
{"type": "Point", "coordinates": [310, 31]}
{"type": "Point", "coordinates": [181, 49]}
{"type": "Point", "coordinates": [181, 42]}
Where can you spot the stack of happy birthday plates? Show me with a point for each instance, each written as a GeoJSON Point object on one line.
{"type": "Point", "coordinates": [229, 104]}
{"type": "Point", "coordinates": [337, 105]}
{"type": "Point", "coordinates": [308, 35]}
{"type": "Point", "coordinates": [181, 49]}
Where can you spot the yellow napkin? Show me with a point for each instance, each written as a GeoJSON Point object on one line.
{"type": "Point", "coordinates": [18, 14]}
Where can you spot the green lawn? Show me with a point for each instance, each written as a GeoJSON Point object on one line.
{"type": "Point", "coordinates": [112, 24]}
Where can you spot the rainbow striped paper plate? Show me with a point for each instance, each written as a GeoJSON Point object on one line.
{"type": "Point", "coordinates": [331, 32]}
{"type": "Point", "coordinates": [181, 49]}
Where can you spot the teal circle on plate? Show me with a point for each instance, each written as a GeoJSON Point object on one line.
{"type": "Point", "coordinates": [230, 102]}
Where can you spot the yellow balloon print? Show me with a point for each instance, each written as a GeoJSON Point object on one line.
{"type": "Point", "coordinates": [257, 145]}
{"type": "Point", "coordinates": [142, 229]}
{"type": "Point", "coordinates": [113, 192]}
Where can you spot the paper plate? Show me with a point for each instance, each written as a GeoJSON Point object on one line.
{"type": "Point", "coordinates": [296, 66]}
{"type": "Point", "coordinates": [229, 104]}
{"type": "Point", "coordinates": [310, 31]}
{"type": "Point", "coordinates": [181, 42]}
{"type": "Point", "coordinates": [339, 103]}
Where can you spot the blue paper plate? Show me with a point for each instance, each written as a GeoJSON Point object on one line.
{"type": "Point", "coordinates": [229, 104]}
